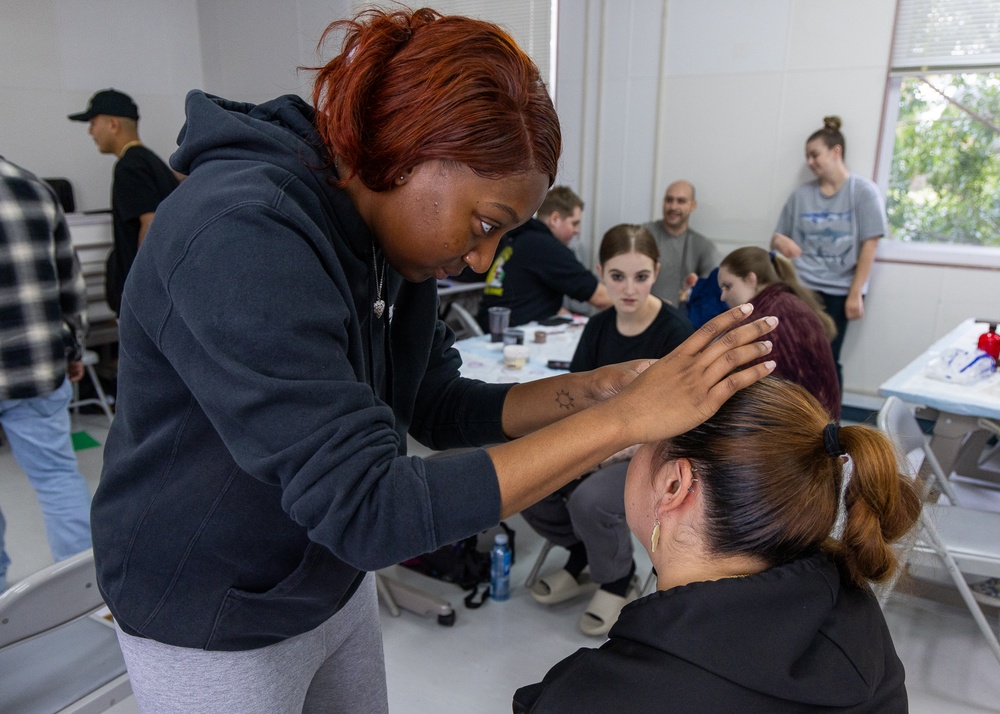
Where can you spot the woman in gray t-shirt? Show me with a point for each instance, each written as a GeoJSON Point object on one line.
{"type": "Point", "coordinates": [830, 227]}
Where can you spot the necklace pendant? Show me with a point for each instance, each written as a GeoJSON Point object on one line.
{"type": "Point", "coordinates": [379, 307]}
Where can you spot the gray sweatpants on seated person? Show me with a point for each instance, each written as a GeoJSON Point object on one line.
{"type": "Point", "coordinates": [591, 511]}
{"type": "Point", "coordinates": [337, 667]}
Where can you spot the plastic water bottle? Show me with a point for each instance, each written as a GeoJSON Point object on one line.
{"type": "Point", "coordinates": [500, 568]}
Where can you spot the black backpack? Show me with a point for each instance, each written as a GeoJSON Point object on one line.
{"type": "Point", "coordinates": [465, 563]}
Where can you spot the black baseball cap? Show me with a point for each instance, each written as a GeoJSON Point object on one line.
{"type": "Point", "coordinates": [110, 102]}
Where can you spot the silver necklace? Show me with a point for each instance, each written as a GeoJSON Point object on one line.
{"type": "Point", "coordinates": [378, 307]}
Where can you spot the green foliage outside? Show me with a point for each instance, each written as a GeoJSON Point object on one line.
{"type": "Point", "coordinates": [944, 185]}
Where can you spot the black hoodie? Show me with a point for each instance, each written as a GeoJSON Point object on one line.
{"type": "Point", "coordinates": [255, 466]}
{"type": "Point", "coordinates": [788, 640]}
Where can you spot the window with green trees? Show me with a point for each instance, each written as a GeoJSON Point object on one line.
{"type": "Point", "coordinates": [944, 180]}
{"type": "Point", "coordinates": [940, 158]}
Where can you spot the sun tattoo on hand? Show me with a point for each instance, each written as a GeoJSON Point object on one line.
{"type": "Point", "coordinates": [564, 400]}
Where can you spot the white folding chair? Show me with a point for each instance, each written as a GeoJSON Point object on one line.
{"type": "Point", "coordinates": [963, 539]}
{"type": "Point", "coordinates": [90, 358]}
{"type": "Point", "coordinates": [461, 321]}
{"type": "Point", "coordinates": [896, 420]}
{"type": "Point", "coordinates": [55, 657]}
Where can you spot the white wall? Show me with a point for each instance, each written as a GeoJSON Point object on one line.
{"type": "Point", "coordinates": [724, 93]}
{"type": "Point", "coordinates": [251, 49]}
{"type": "Point", "coordinates": [54, 54]}
{"type": "Point", "coordinates": [607, 96]}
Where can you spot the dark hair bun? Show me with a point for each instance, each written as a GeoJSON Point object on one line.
{"type": "Point", "coordinates": [832, 122]}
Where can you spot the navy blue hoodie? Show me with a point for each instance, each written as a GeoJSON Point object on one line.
{"type": "Point", "coordinates": [256, 464]}
{"type": "Point", "coordinates": [793, 639]}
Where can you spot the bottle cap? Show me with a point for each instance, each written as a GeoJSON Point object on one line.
{"type": "Point", "coordinates": [500, 539]}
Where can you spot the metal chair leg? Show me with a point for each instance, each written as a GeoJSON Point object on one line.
{"type": "Point", "coordinates": [539, 561]}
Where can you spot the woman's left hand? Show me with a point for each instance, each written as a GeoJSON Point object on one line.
{"type": "Point", "coordinates": [854, 308]}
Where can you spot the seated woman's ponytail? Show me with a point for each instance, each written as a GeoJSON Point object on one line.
{"type": "Point", "coordinates": [880, 504]}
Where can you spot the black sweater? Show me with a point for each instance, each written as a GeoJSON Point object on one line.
{"type": "Point", "coordinates": [601, 343]}
{"type": "Point", "coordinates": [255, 466]}
{"type": "Point", "coordinates": [790, 640]}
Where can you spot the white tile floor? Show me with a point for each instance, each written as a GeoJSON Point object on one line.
{"type": "Point", "coordinates": [475, 665]}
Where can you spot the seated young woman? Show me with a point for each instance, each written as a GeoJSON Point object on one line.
{"type": "Point", "coordinates": [801, 343]}
{"type": "Point", "coordinates": [765, 542]}
{"type": "Point", "coordinates": [588, 516]}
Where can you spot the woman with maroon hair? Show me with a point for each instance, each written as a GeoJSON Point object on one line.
{"type": "Point", "coordinates": [801, 346]}
{"type": "Point", "coordinates": [279, 340]}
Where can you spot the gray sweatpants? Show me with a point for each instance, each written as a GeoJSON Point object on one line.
{"type": "Point", "coordinates": [337, 667]}
{"type": "Point", "coordinates": [591, 511]}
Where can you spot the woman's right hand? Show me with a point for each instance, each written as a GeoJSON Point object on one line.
{"type": "Point", "coordinates": [786, 246]}
{"type": "Point", "coordinates": [683, 389]}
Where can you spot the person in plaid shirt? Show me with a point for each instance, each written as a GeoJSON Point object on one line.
{"type": "Point", "coordinates": [42, 328]}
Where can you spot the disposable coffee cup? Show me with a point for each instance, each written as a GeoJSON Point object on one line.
{"type": "Point", "coordinates": [513, 336]}
{"type": "Point", "coordinates": [499, 321]}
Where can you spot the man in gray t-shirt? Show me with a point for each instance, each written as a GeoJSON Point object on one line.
{"type": "Point", "coordinates": [685, 255]}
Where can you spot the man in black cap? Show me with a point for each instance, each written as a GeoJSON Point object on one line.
{"type": "Point", "coordinates": [141, 180]}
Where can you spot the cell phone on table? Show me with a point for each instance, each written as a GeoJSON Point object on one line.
{"type": "Point", "coordinates": [557, 364]}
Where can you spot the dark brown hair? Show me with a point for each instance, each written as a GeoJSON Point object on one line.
{"type": "Point", "coordinates": [412, 86]}
{"type": "Point", "coordinates": [830, 134]}
{"type": "Point", "coordinates": [628, 238]}
{"type": "Point", "coordinates": [773, 268]}
{"type": "Point", "coordinates": [772, 490]}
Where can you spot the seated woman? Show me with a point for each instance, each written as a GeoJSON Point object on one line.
{"type": "Point", "coordinates": [588, 516]}
{"type": "Point", "coordinates": [802, 339]}
{"type": "Point", "coordinates": [763, 599]}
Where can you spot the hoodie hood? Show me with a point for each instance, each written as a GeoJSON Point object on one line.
{"type": "Point", "coordinates": [824, 653]}
{"type": "Point", "coordinates": [218, 128]}
{"type": "Point", "coordinates": [228, 138]}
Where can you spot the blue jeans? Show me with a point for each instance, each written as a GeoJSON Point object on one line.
{"type": "Point", "coordinates": [38, 431]}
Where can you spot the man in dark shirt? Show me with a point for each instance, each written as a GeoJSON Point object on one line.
{"type": "Point", "coordinates": [534, 269]}
{"type": "Point", "coordinates": [141, 180]}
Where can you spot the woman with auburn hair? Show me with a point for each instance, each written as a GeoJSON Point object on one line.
{"type": "Point", "coordinates": [280, 339]}
{"type": "Point", "coordinates": [765, 540]}
{"type": "Point", "coordinates": [801, 345]}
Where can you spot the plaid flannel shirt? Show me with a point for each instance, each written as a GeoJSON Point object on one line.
{"type": "Point", "coordinates": [43, 302]}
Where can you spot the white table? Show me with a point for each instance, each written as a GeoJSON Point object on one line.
{"type": "Point", "coordinates": [959, 406]}
{"type": "Point", "coordinates": [454, 287]}
{"type": "Point", "coordinates": [482, 359]}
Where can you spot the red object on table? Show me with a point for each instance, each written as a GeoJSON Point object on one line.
{"type": "Point", "coordinates": [989, 342]}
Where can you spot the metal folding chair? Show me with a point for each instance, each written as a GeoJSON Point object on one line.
{"type": "Point", "coordinates": [90, 359]}
{"type": "Point", "coordinates": [54, 656]}
{"type": "Point", "coordinates": [963, 539]}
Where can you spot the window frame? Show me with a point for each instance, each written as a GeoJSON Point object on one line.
{"type": "Point", "coordinates": [900, 251]}
{"type": "Point", "coordinates": [895, 250]}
